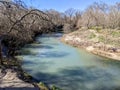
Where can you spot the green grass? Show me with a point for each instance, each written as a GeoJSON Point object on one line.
{"type": "Point", "coordinates": [92, 35]}
{"type": "Point", "coordinates": [115, 34]}
{"type": "Point", "coordinates": [97, 28]}
{"type": "Point", "coordinates": [101, 39]}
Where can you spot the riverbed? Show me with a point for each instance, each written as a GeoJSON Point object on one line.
{"type": "Point", "coordinates": [55, 63]}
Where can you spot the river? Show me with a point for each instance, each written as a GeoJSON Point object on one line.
{"type": "Point", "coordinates": [69, 68]}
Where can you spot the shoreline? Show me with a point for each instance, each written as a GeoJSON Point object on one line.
{"type": "Point", "coordinates": [11, 71]}
{"type": "Point", "coordinates": [75, 42]}
{"type": "Point", "coordinates": [13, 76]}
{"type": "Point", "coordinates": [16, 72]}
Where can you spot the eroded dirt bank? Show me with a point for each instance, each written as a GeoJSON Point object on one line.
{"type": "Point", "coordinates": [91, 41]}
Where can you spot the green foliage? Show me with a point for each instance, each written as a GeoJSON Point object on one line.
{"type": "Point", "coordinates": [101, 39]}
{"type": "Point", "coordinates": [26, 52]}
{"type": "Point", "coordinates": [98, 29]}
{"type": "Point", "coordinates": [42, 86]}
{"type": "Point", "coordinates": [55, 88]}
{"type": "Point", "coordinates": [115, 34]}
{"type": "Point", "coordinates": [26, 75]}
{"type": "Point", "coordinates": [92, 35]}
{"type": "Point", "coordinates": [10, 62]}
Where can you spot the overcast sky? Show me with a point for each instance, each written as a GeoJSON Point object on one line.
{"type": "Point", "coordinates": [62, 5]}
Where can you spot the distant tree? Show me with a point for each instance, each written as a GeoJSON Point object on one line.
{"type": "Point", "coordinates": [69, 14]}
{"type": "Point", "coordinates": [55, 16]}
{"type": "Point", "coordinates": [114, 16]}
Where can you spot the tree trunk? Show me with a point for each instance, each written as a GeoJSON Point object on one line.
{"type": "Point", "coordinates": [1, 63]}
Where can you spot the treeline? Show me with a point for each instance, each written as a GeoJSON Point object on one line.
{"type": "Point", "coordinates": [97, 15]}
{"type": "Point", "coordinates": [19, 25]}
{"type": "Point", "coordinates": [19, 21]}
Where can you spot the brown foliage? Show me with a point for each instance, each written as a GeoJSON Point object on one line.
{"type": "Point", "coordinates": [19, 25]}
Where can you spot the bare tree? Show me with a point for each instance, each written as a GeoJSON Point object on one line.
{"type": "Point", "coordinates": [17, 24]}
{"type": "Point", "coordinates": [69, 14]}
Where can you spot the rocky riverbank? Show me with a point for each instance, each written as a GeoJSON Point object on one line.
{"type": "Point", "coordinates": [12, 77]}
{"type": "Point", "coordinates": [9, 78]}
{"type": "Point", "coordinates": [91, 41]}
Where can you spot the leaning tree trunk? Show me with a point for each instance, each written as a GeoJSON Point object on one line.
{"type": "Point", "coordinates": [1, 63]}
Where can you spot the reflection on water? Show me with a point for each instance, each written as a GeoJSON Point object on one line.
{"type": "Point", "coordinates": [68, 68]}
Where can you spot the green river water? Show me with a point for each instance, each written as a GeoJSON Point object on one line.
{"type": "Point", "coordinates": [69, 68]}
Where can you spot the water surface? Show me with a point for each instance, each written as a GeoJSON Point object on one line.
{"type": "Point", "coordinates": [69, 68]}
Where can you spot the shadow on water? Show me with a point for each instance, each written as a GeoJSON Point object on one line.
{"type": "Point", "coordinates": [110, 63]}
{"type": "Point", "coordinates": [53, 54]}
{"type": "Point", "coordinates": [29, 49]}
{"type": "Point", "coordinates": [52, 35]}
{"type": "Point", "coordinates": [42, 65]}
{"type": "Point", "coordinates": [79, 78]}
{"type": "Point", "coordinates": [39, 46]}
{"type": "Point", "coordinates": [28, 52]}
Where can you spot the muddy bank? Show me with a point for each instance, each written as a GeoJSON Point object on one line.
{"type": "Point", "coordinates": [95, 47]}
